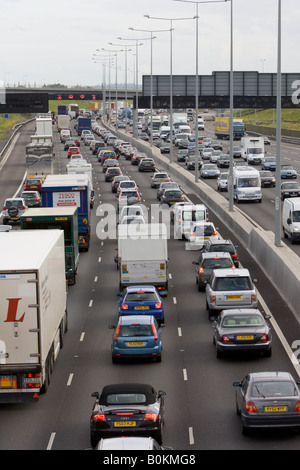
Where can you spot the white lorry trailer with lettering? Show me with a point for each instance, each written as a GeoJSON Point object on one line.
{"type": "Point", "coordinates": [33, 311]}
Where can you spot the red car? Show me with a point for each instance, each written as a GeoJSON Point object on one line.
{"type": "Point", "coordinates": [73, 151]}
{"type": "Point", "coordinates": [33, 184]}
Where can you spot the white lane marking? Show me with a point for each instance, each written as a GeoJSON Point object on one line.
{"type": "Point", "coordinates": [179, 331]}
{"type": "Point", "coordinates": [185, 377]}
{"type": "Point", "coordinates": [82, 336]}
{"type": "Point", "coordinates": [90, 303]}
{"type": "Point", "coordinates": [51, 440]}
{"type": "Point", "coordinates": [191, 436]}
{"type": "Point", "coordinates": [70, 380]}
{"type": "Point", "coordinates": [174, 300]}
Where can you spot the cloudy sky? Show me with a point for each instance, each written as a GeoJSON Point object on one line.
{"type": "Point", "coordinates": [54, 41]}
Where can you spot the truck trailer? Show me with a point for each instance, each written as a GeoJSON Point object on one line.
{"type": "Point", "coordinates": [222, 128]}
{"type": "Point", "coordinates": [33, 311]}
{"type": "Point", "coordinates": [58, 218]}
{"type": "Point", "coordinates": [71, 190]}
{"type": "Point", "coordinates": [143, 256]}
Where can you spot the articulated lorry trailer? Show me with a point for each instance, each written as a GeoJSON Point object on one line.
{"type": "Point", "coordinates": [33, 311]}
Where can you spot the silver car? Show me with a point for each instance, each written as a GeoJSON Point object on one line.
{"type": "Point", "coordinates": [230, 288]}
{"type": "Point", "coordinates": [13, 209]}
{"type": "Point", "coordinates": [222, 182]}
{"type": "Point", "coordinates": [209, 170]}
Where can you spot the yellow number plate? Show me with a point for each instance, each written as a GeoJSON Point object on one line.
{"type": "Point", "coordinates": [245, 337]}
{"type": "Point", "coordinates": [275, 408]}
{"type": "Point", "coordinates": [124, 424]}
{"type": "Point", "coordinates": [233, 297]}
{"type": "Point", "coordinates": [142, 307]}
{"type": "Point", "coordinates": [136, 343]}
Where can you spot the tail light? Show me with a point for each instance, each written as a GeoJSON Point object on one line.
{"type": "Point", "coordinates": [201, 270]}
{"type": "Point", "coordinates": [297, 406]}
{"type": "Point", "coordinates": [213, 298]}
{"type": "Point", "coordinates": [99, 417]}
{"type": "Point", "coordinates": [250, 407]}
{"type": "Point", "coordinates": [124, 306]}
{"type": "Point", "coordinates": [151, 416]}
{"type": "Point", "coordinates": [23, 208]}
{"type": "Point", "coordinates": [234, 255]}
{"type": "Point", "coordinates": [225, 339]}
{"type": "Point", "coordinates": [36, 382]}
{"type": "Point", "coordinates": [37, 199]}
{"type": "Point", "coordinates": [158, 305]}
{"type": "Point", "coordinates": [253, 297]}
{"type": "Point", "coordinates": [117, 333]}
{"type": "Point", "coordinates": [215, 232]}
{"type": "Point", "coordinates": [4, 208]}
{"type": "Point", "coordinates": [264, 338]}
{"type": "Point", "coordinates": [154, 332]}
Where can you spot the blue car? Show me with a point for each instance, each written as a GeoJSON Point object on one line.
{"type": "Point", "coordinates": [136, 336]}
{"type": "Point", "coordinates": [268, 163]}
{"type": "Point", "coordinates": [142, 300]}
{"type": "Point", "coordinates": [287, 171]}
{"type": "Point", "coordinates": [209, 170]}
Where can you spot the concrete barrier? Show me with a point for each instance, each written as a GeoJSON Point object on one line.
{"type": "Point", "coordinates": [280, 264]}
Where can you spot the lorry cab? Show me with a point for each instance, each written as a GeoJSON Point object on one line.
{"type": "Point", "coordinates": [186, 215]}
{"type": "Point", "coordinates": [291, 218]}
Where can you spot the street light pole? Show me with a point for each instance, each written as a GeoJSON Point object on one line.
{"type": "Point", "coordinates": [126, 50]}
{"type": "Point", "coordinates": [278, 136]}
{"type": "Point", "coordinates": [171, 75]}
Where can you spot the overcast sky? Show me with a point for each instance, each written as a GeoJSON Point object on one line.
{"type": "Point", "coordinates": [54, 41]}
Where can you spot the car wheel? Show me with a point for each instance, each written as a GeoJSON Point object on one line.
{"type": "Point", "coordinates": [268, 353]}
{"type": "Point", "coordinates": [158, 358]}
{"type": "Point", "coordinates": [245, 430]}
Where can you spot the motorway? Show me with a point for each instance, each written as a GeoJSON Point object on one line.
{"type": "Point", "coordinates": [200, 406]}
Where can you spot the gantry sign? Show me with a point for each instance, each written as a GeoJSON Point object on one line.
{"type": "Point", "coordinates": [250, 90]}
{"type": "Point", "coordinates": [23, 102]}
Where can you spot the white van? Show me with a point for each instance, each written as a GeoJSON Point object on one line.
{"type": "Point", "coordinates": [184, 129]}
{"type": "Point", "coordinates": [291, 218]}
{"type": "Point", "coordinates": [186, 215]}
{"type": "Point", "coordinates": [246, 184]}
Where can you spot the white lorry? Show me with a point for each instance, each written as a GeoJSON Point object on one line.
{"type": "Point", "coordinates": [186, 214]}
{"type": "Point", "coordinates": [253, 149]}
{"type": "Point", "coordinates": [291, 218]}
{"type": "Point", "coordinates": [82, 167]}
{"type": "Point", "coordinates": [143, 256]}
{"type": "Point", "coordinates": [33, 311]}
{"type": "Point", "coordinates": [63, 122]}
{"type": "Point", "coordinates": [43, 124]}
{"type": "Point", "coordinates": [246, 184]}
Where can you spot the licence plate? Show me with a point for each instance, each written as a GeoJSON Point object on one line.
{"type": "Point", "coordinates": [233, 297]}
{"type": "Point", "coordinates": [275, 408]}
{"type": "Point", "coordinates": [124, 424]}
{"type": "Point", "coordinates": [243, 337]}
{"type": "Point", "coordinates": [142, 307]}
{"type": "Point", "coordinates": [136, 343]}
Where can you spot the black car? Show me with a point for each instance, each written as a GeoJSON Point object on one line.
{"type": "Point", "coordinates": [99, 145]}
{"type": "Point", "coordinates": [164, 186]}
{"type": "Point", "coordinates": [32, 198]}
{"type": "Point", "coordinates": [223, 161]}
{"type": "Point", "coordinates": [222, 246]}
{"type": "Point", "coordinates": [182, 154]}
{"type": "Point", "coordinates": [129, 409]}
{"type": "Point", "coordinates": [290, 189]}
{"type": "Point", "coordinates": [69, 143]}
{"type": "Point", "coordinates": [170, 196]}
{"type": "Point", "coordinates": [242, 330]}
{"type": "Point", "coordinates": [190, 162]}
{"type": "Point", "coordinates": [146, 164]}
{"type": "Point", "coordinates": [267, 178]}
{"type": "Point", "coordinates": [112, 172]}
{"type": "Point", "coordinates": [268, 399]}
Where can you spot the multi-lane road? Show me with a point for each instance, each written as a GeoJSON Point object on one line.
{"type": "Point", "coordinates": [200, 406]}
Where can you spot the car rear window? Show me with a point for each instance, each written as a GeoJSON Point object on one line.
{"type": "Point", "coordinates": [141, 296]}
{"type": "Point", "coordinates": [204, 230]}
{"type": "Point", "coordinates": [126, 399]}
{"type": "Point", "coordinates": [238, 321]}
{"type": "Point", "coordinates": [136, 330]}
{"type": "Point", "coordinates": [222, 248]}
{"type": "Point", "coordinates": [232, 283]}
{"type": "Point", "coordinates": [271, 389]}
{"type": "Point", "coordinates": [14, 203]}
{"type": "Point", "coordinates": [217, 263]}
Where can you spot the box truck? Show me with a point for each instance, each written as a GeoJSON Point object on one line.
{"type": "Point", "coordinates": [82, 167]}
{"type": "Point", "coordinates": [71, 190]}
{"type": "Point", "coordinates": [253, 149]}
{"type": "Point", "coordinates": [63, 122]}
{"type": "Point", "coordinates": [83, 124]}
{"type": "Point", "coordinates": [143, 256]}
{"type": "Point", "coordinates": [59, 218]}
{"type": "Point", "coordinates": [222, 128]}
{"type": "Point", "coordinates": [33, 311]}
{"type": "Point", "coordinates": [43, 124]}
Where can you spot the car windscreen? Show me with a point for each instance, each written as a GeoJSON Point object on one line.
{"type": "Point", "coordinates": [248, 182]}
{"type": "Point", "coordinates": [232, 283]}
{"type": "Point", "coordinates": [14, 204]}
{"type": "Point", "coordinates": [135, 330]}
{"type": "Point", "coordinates": [296, 216]}
{"type": "Point", "coordinates": [126, 399]}
{"type": "Point", "coordinates": [216, 263]}
{"type": "Point", "coordinates": [226, 247]}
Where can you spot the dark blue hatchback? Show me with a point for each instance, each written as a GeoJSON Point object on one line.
{"type": "Point", "coordinates": [142, 300]}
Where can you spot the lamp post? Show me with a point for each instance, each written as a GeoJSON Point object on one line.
{"type": "Point", "coordinates": [151, 74]}
{"type": "Point", "coordinates": [171, 74]}
{"type": "Point", "coordinates": [137, 44]}
{"type": "Point", "coordinates": [195, 2]}
{"type": "Point", "coordinates": [278, 136]}
{"type": "Point", "coordinates": [103, 62]}
{"type": "Point", "coordinates": [126, 50]}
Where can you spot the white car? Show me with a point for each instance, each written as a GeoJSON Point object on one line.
{"type": "Point", "coordinates": [222, 182]}
{"type": "Point", "coordinates": [207, 153]}
{"type": "Point", "coordinates": [13, 209]}
{"type": "Point", "coordinates": [200, 232]}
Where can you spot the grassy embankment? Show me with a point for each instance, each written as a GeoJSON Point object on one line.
{"type": "Point", "coordinates": [290, 118]}
{"type": "Point", "coordinates": [6, 124]}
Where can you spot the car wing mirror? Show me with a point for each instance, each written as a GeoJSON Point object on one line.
{"type": "Point", "coordinates": [237, 384]}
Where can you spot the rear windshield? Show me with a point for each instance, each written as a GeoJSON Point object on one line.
{"type": "Point", "coordinates": [193, 215]}
{"type": "Point", "coordinates": [222, 248]}
{"type": "Point", "coordinates": [236, 321]}
{"type": "Point", "coordinates": [232, 283]}
{"type": "Point", "coordinates": [217, 263]}
{"type": "Point", "coordinates": [271, 389]}
{"type": "Point", "coordinates": [136, 330]}
{"type": "Point", "coordinates": [141, 296]}
{"type": "Point", "coordinates": [205, 230]}
{"type": "Point", "coordinates": [14, 203]}
{"type": "Point", "coordinates": [125, 399]}
{"type": "Point", "coordinates": [129, 194]}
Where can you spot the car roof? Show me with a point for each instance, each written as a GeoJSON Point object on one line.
{"type": "Point", "coordinates": [237, 272]}
{"type": "Point", "coordinates": [147, 288]}
{"type": "Point", "coordinates": [136, 319]}
{"type": "Point", "coordinates": [148, 390]}
{"type": "Point", "coordinates": [215, 254]}
{"type": "Point", "coordinates": [221, 241]}
{"type": "Point", "coordinates": [271, 375]}
{"type": "Point", "coordinates": [238, 311]}
{"type": "Point", "coordinates": [126, 443]}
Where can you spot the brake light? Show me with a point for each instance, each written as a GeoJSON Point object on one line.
{"type": "Point", "coordinates": [234, 255]}
{"type": "Point", "coordinates": [98, 418]}
{"type": "Point", "coordinates": [23, 207]}
{"type": "Point", "coordinates": [225, 339]}
{"type": "Point", "coordinates": [117, 333]}
{"type": "Point", "coordinates": [124, 306]}
{"type": "Point", "coordinates": [154, 332]}
{"type": "Point", "coordinates": [35, 383]}
{"type": "Point", "coordinates": [253, 297]}
{"type": "Point", "coordinates": [264, 337]}
{"type": "Point", "coordinates": [297, 406]}
{"type": "Point", "coordinates": [213, 298]}
{"type": "Point", "coordinates": [250, 407]}
{"type": "Point", "coordinates": [4, 208]}
{"type": "Point", "coordinates": [158, 305]}
{"type": "Point", "coordinates": [37, 199]}
{"type": "Point", "coordinates": [215, 233]}
{"type": "Point", "coordinates": [151, 416]}
{"type": "Point", "coordinates": [201, 269]}
{"type": "Point", "coordinates": [192, 234]}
